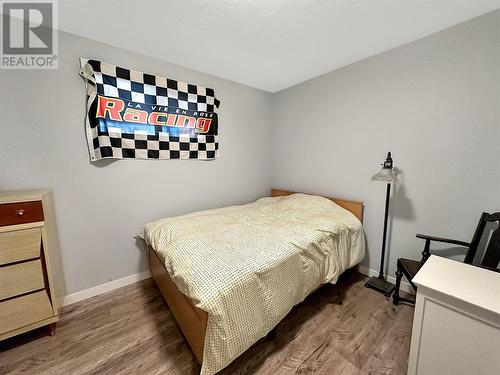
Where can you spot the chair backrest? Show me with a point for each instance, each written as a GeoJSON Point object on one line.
{"type": "Point", "coordinates": [491, 256]}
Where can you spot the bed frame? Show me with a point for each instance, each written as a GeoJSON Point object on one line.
{"type": "Point", "coordinates": [192, 320]}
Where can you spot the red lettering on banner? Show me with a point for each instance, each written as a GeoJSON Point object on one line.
{"type": "Point", "coordinates": [135, 115]}
{"type": "Point", "coordinates": [154, 118]}
{"type": "Point", "coordinates": [114, 109]}
{"type": "Point", "coordinates": [203, 124]}
{"type": "Point", "coordinates": [171, 120]}
{"type": "Point", "coordinates": [185, 121]}
{"type": "Point", "coordinates": [110, 106]}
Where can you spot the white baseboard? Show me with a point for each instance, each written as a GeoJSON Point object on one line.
{"type": "Point", "coordinates": [127, 280]}
{"type": "Point", "coordinates": [406, 287]}
{"type": "Point", "coordinates": [103, 288]}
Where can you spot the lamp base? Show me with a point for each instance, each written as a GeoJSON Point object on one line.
{"type": "Point", "coordinates": [380, 285]}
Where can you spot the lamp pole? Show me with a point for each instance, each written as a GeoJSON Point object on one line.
{"type": "Point", "coordinates": [387, 175]}
{"type": "Point", "coordinates": [382, 255]}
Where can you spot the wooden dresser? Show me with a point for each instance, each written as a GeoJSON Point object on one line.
{"type": "Point", "coordinates": [27, 236]}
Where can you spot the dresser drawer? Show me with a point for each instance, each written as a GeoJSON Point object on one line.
{"type": "Point", "coordinates": [20, 213]}
{"type": "Point", "coordinates": [21, 311]}
{"type": "Point", "coordinates": [21, 278]}
{"type": "Point", "coordinates": [20, 245]}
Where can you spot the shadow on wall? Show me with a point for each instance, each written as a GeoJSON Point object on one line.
{"type": "Point", "coordinates": [459, 252]}
{"type": "Point", "coordinates": [140, 245]}
{"type": "Point", "coordinates": [454, 252]}
{"type": "Point", "coordinates": [101, 163]}
{"type": "Point", "coordinates": [401, 205]}
{"type": "Point", "coordinates": [367, 250]}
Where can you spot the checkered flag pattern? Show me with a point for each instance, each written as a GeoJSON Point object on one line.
{"type": "Point", "coordinates": [151, 94]}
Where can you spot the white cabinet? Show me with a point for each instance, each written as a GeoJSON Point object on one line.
{"type": "Point", "coordinates": [456, 326]}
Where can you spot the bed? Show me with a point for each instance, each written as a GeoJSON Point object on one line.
{"type": "Point", "coordinates": [225, 307]}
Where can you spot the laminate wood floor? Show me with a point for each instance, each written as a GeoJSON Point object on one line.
{"type": "Point", "coordinates": [342, 329]}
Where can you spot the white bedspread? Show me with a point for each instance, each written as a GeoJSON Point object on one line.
{"type": "Point", "coordinates": [248, 265]}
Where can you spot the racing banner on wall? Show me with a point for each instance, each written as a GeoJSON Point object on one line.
{"type": "Point", "coordinates": [138, 115]}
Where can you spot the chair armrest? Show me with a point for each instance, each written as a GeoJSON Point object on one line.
{"type": "Point", "coordinates": [445, 240]}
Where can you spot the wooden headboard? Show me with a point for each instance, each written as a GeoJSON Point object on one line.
{"type": "Point", "coordinates": [355, 207]}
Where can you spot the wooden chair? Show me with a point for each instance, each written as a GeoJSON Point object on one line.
{"type": "Point", "coordinates": [490, 260]}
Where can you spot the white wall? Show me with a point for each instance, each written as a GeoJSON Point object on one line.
{"type": "Point", "coordinates": [435, 103]}
{"type": "Point", "coordinates": [100, 206]}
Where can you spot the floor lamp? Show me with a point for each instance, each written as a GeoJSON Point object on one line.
{"type": "Point", "coordinates": [386, 175]}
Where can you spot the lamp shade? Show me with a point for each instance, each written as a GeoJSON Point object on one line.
{"type": "Point", "coordinates": [386, 174]}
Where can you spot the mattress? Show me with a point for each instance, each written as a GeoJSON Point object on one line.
{"type": "Point", "coordinates": [248, 265]}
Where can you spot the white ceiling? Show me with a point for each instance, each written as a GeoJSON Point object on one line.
{"type": "Point", "coordinates": [268, 44]}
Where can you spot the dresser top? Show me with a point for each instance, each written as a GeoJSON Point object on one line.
{"type": "Point", "coordinates": [22, 195]}
{"type": "Point", "coordinates": [474, 285]}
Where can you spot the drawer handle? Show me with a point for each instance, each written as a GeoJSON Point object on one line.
{"type": "Point", "coordinates": [20, 213]}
